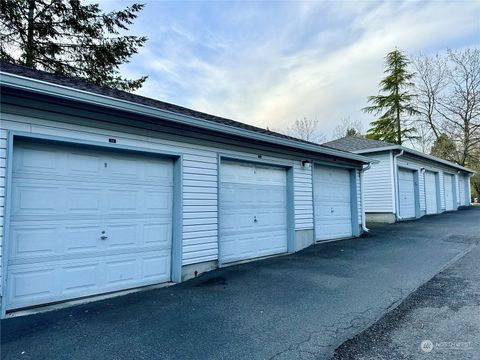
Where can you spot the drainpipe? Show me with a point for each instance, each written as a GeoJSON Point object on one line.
{"type": "Point", "coordinates": [395, 180]}
{"type": "Point", "coordinates": [362, 198]}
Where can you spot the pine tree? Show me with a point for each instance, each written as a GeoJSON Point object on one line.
{"type": "Point", "coordinates": [394, 102]}
{"type": "Point", "coordinates": [70, 38]}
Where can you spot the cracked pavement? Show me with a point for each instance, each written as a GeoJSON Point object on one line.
{"type": "Point", "coordinates": [301, 306]}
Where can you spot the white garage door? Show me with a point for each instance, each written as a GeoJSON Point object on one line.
{"type": "Point", "coordinates": [406, 193]}
{"type": "Point", "coordinates": [86, 221]}
{"type": "Point", "coordinates": [332, 203]}
{"type": "Point", "coordinates": [462, 183]}
{"type": "Point", "coordinates": [448, 185]}
{"type": "Point", "coordinates": [430, 193]}
{"type": "Point", "coordinates": [461, 190]}
{"type": "Point", "coordinates": [253, 211]}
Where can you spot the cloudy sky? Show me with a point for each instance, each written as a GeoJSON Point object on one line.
{"type": "Point", "coordinates": [268, 63]}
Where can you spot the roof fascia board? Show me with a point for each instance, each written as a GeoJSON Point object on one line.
{"type": "Point", "coordinates": [414, 152]}
{"type": "Point", "coordinates": [39, 86]}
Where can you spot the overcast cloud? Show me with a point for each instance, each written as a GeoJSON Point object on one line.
{"type": "Point", "coordinates": [269, 63]}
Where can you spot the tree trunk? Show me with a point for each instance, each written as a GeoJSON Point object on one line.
{"type": "Point", "coordinates": [29, 54]}
{"type": "Point", "coordinates": [399, 127]}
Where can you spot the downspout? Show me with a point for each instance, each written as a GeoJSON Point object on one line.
{"type": "Point", "coordinates": [362, 198]}
{"type": "Point", "coordinates": [395, 181]}
{"type": "Point", "coordinates": [424, 190]}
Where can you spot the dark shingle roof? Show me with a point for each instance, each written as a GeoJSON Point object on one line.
{"type": "Point", "coordinates": [354, 143]}
{"type": "Point", "coordinates": [123, 95]}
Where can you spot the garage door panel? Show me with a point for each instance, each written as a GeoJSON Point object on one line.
{"type": "Point", "coordinates": [122, 168]}
{"type": "Point", "coordinates": [61, 280]}
{"type": "Point", "coordinates": [156, 267]}
{"type": "Point", "coordinates": [60, 213]}
{"type": "Point", "coordinates": [33, 160]}
{"type": "Point", "coordinates": [82, 164]}
{"type": "Point", "coordinates": [332, 203]}
{"type": "Point", "coordinates": [83, 199]}
{"type": "Point", "coordinates": [33, 199]}
{"type": "Point", "coordinates": [30, 286]}
{"type": "Point", "coordinates": [430, 192]}
{"type": "Point", "coordinates": [448, 191]}
{"type": "Point", "coordinates": [123, 200]}
{"type": "Point", "coordinates": [331, 230]}
{"type": "Point", "coordinates": [267, 219]}
{"type": "Point", "coordinates": [157, 234]}
{"type": "Point", "coordinates": [333, 210]}
{"type": "Point", "coordinates": [122, 236]}
{"type": "Point", "coordinates": [81, 278]}
{"type": "Point", "coordinates": [33, 240]}
{"type": "Point", "coordinates": [237, 173]}
{"type": "Point", "coordinates": [271, 197]}
{"type": "Point", "coordinates": [248, 193]}
{"type": "Point", "coordinates": [406, 189]}
{"type": "Point", "coordinates": [72, 163]}
{"type": "Point", "coordinates": [120, 271]}
{"type": "Point", "coordinates": [91, 199]}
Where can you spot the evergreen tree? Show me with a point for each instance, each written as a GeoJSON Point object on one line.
{"type": "Point", "coordinates": [70, 38]}
{"type": "Point", "coordinates": [445, 148]}
{"type": "Point", "coordinates": [352, 132]}
{"type": "Point", "coordinates": [393, 103]}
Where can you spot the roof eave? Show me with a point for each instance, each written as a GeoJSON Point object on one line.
{"type": "Point", "coordinates": [414, 152]}
{"type": "Point", "coordinates": [65, 92]}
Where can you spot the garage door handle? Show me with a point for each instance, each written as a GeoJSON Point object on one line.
{"type": "Point", "coordinates": [255, 219]}
{"type": "Point", "coordinates": [103, 237]}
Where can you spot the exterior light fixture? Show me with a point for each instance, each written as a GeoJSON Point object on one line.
{"type": "Point", "coordinates": [306, 163]}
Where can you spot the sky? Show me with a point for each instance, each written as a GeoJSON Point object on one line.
{"type": "Point", "coordinates": [269, 63]}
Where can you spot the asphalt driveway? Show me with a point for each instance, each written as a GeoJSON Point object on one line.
{"type": "Point", "coordinates": [440, 320]}
{"type": "Point", "coordinates": [293, 307]}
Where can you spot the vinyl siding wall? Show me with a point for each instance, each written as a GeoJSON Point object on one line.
{"type": "Point", "coordinates": [378, 185]}
{"type": "Point", "coordinates": [302, 183]}
{"type": "Point", "coordinates": [3, 165]}
{"type": "Point", "coordinates": [199, 182]}
{"type": "Point", "coordinates": [359, 196]}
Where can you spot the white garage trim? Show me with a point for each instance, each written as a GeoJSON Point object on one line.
{"type": "Point", "coordinates": [290, 211]}
{"type": "Point", "coordinates": [355, 226]}
{"type": "Point", "coordinates": [176, 246]}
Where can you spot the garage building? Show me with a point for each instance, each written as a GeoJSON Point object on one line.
{"type": "Point", "coordinates": [103, 190]}
{"type": "Point", "coordinates": [406, 184]}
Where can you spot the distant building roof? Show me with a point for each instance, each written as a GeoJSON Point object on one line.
{"type": "Point", "coordinates": [361, 145]}
{"type": "Point", "coordinates": [354, 143]}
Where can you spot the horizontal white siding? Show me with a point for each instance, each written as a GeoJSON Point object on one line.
{"type": "Point", "coordinates": [200, 210]}
{"type": "Point", "coordinates": [378, 185]}
{"type": "Point", "coordinates": [302, 183]}
{"type": "Point", "coordinates": [359, 196]}
{"type": "Point", "coordinates": [200, 177]}
{"type": "Point", "coordinates": [3, 163]}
